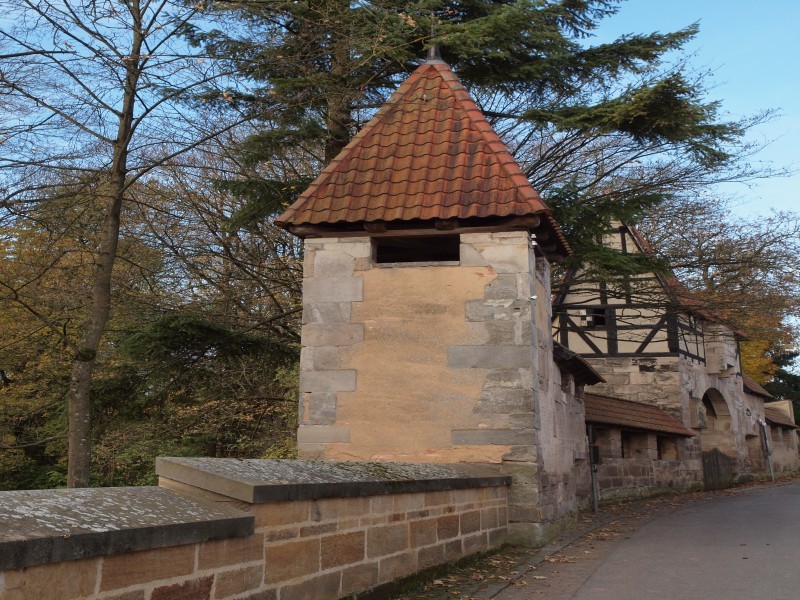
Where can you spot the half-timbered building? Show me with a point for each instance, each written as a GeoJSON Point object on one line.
{"type": "Point", "coordinates": [654, 345]}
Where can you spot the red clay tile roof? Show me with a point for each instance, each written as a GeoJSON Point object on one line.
{"type": "Point", "coordinates": [776, 417]}
{"type": "Point", "coordinates": [751, 387]}
{"type": "Point", "coordinates": [633, 415]}
{"type": "Point", "coordinates": [428, 153]}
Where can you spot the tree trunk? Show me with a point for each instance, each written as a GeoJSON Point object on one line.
{"type": "Point", "coordinates": [339, 109]}
{"type": "Point", "coordinates": [80, 406]}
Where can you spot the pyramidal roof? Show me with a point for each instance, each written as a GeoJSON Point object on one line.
{"type": "Point", "coordinates": [429, 153]}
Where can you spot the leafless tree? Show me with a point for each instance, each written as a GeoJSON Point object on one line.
{"type": "Point", "coordinates": [95, 93]}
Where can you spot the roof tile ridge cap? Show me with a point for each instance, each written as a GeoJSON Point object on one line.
{"type": "Point", "coordinates": [446, 72]}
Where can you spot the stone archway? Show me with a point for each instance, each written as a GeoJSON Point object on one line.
{"type": "Point", "coordinates": [716, 441]}
{"type": "Point", "coordinates": [718, 432]}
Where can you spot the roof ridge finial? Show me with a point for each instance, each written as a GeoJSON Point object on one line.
{"type": "Point", "coordinates": [434, 55]}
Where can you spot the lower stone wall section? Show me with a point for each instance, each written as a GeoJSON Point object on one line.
{"type": "Point", "coordinates": [632, 478]}
{"type": "Point", "coordinates": [306, 548]}
{"type": "Point", "coordinates": [337, 547]}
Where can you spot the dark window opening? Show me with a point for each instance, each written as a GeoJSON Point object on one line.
{"type": "Point", "coordinates": [598, 317]}
{"type": "Point", "coordinates": [566, 381]}
{"type": "Point", "coordinates": [711, 414]}
{"type": "Point", "coordinates": [434, 248]}
{"type": "Point", "coordinates": [604, 440]}
{"type": "Point", "coordinates": [626, 440]}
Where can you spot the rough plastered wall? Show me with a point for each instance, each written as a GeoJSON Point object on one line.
{"type": "Point", "coordinates": [416, 362]}
{"type": "Point", "coordinates": [435, 362]}
{"type": "Point", "coordinates": [562, 448]}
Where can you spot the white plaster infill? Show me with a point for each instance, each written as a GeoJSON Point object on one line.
{"type": "Point", "coordinates": [47, 526]}
{"type": "Point", "coordinates": [259, 481]}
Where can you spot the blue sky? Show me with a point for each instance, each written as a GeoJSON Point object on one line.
{"type": "Point", "coordinates": [753, 49]}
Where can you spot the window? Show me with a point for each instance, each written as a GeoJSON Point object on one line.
{"type": "Point", "coordinates": [596, 317]}
{"type": "Point", "coordinates": [667, 447]}
{"type": "Point", "coordinates": [634, 444]}
{"type": "Point", "coordinates": [433, 248]}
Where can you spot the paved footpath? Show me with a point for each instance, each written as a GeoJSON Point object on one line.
{"type": "Point", "coordinates": [740, 543]}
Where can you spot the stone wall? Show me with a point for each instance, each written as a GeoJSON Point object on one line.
{"type": "Point", "coordinates": [561, 439]}
{"type": "Point", "coordinates": [666, 382]}
{"type": "Point", "coordinates": [737, 413]}
{"type": "Point", "coordinates": [417, 362]}
{"type": "Point", "coordinates": [783, 445]}
{"type": "Point", "coordinates": [783, 440]}
{"type": "Point", "coordinates": [343, 532]}
{"type": "Point", "coordinates": [651, 464]}
{"type": "Point", "coordinates": [649, 380]}
{"type": "Point", "coordinates": [444, 362]}
{"type": "Point", "coordinates": [678, 385]}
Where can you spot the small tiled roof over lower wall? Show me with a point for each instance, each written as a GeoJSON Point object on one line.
{"type": "Point", "coordinates": [606, 410]}
{"type": "Point", "coordinates": [776, 417]}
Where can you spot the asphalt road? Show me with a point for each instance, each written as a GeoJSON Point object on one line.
{"type": "Point", "coordinates": [741, 543]}
{"type": "Point", "coordinates": [743, 546]}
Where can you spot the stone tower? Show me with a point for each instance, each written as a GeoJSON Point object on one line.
{"type": "Point", "coordinates": [426, 318]}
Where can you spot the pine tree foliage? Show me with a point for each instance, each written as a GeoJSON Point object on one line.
{"type": "Point", "coordinates": [785, 383]}
{"type": "Point", "coordinates": [610, 127]}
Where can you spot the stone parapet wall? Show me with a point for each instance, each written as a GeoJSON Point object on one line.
{"type": "Point", "coordinates": [329, 534]}
{"type": "Point", "coordinates": [628, 479]}
{"type": "Point", "coordinates": [332, 548]}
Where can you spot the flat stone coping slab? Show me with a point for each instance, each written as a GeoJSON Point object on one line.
{"type": "Point", "coordinates": [46, 526]}
{"type": "Point", "coordinates": [259, 481]}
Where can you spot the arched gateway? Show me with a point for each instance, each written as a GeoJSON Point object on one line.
{"type": "Point", "coordinates": [716, 440]}
{"type": "Point", "coordinates": [716, 430]}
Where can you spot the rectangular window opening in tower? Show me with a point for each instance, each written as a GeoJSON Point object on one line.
{"type": "Point", "coordinates": [415, 249]}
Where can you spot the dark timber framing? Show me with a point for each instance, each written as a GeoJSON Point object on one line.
{"type": "Point", "coordinates": [615, 302]}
